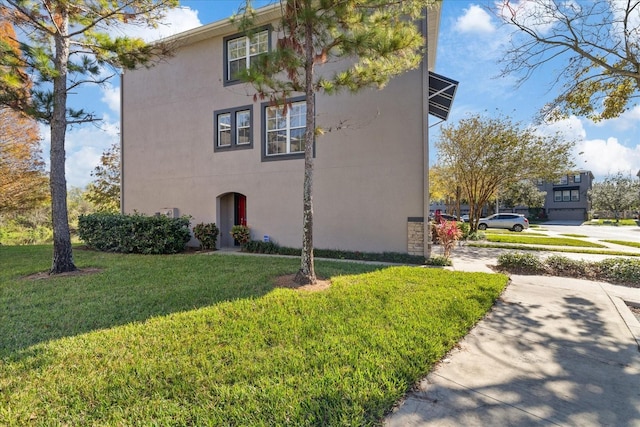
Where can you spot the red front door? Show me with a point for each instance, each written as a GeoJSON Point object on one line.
{"type": "Point", "coordinates": [241, 210]}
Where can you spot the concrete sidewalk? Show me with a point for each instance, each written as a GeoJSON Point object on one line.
{"type": "Point", "coordinates": [552, 351]}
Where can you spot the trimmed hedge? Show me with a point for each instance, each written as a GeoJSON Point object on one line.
{"type": "Point", "coordinates": [257, 246]}
{"type": "Point", "coordinates": [624, 271]}
{"type": "Point", "coordinates": [134, 233]}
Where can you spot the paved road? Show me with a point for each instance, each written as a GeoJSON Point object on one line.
{"type": "Point", "coordinates": [627, 233]}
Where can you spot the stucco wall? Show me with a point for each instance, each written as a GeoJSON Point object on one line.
{"type": "Point", "coordinates": [368, 175]}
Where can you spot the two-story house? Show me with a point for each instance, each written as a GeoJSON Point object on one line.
{"type": "Point", "coordinates": [194, 142]}
{"type": "Point", "coordinates": [567, 198]}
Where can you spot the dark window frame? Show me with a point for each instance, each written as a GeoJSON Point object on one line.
{"type": "Point", "coordinates": [570, 190]}
{"type": "Point", "coordinates": [234, 129]}
{"type": "Point", "coordinates": [228, 81]}
{"type": "Point", "coordinates": [263, 131]}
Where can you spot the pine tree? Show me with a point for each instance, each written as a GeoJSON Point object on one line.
{"type": "Point", "coordinates": [377, 39]}
{"type": "Point", "coordinates": [66, 45]}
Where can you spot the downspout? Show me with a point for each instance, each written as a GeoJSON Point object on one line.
{"type": "Point", "coordinates": [425, 140]}
{"type": "Point", "coordinates": [121, 144]}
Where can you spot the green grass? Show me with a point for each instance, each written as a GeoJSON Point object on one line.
{"type": "Point", "coordinates": [579, 236]}
{"type": "Point", "coordinates": [544, 241]}
{"type": "Point", "coordinates": [625, 222]}
{"type": "Point", "coordinates": [207, 340]}
{"type": "Point", "coordinates": [574, 250]}
{"type": "Point", "coordinates": [624, 243]}
{"type": "Point", "coordinates": [505, 231]}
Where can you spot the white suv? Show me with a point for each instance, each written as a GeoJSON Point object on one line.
{"type": "Point", "coordinates": [510, 221]}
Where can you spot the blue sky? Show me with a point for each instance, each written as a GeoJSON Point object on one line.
{"type": "Point", "coordinates": [470, 45]}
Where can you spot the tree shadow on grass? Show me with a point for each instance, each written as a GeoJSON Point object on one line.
{"type": "Point", "coordinates": [129, 288]}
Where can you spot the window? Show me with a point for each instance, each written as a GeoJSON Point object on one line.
{"type": "Point", "coordinates": [577, 178]}
{"type": "Point", "coordinates": [284, 132]}
{"type": "Point", "coordinates": [563, 180]}
{"type": "Point", "coordinates": [243, 127]}
{"type": "Point", "coordinates": [240, 50]}
{"type": "Point", "coordinates": [224, 130]}
{"type": "Point", "coordinates": [566, 196]}
{"type": "Point", "coordinates": [557, 196]}
{"type": "Point", "coordinates": [233, 128]}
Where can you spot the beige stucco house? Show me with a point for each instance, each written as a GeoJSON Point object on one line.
{"type": "Point", "coordinates": [195, 143]}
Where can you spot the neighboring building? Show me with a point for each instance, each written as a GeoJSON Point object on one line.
{"type": "Point", "coordinates": [567, 198]}
{"type": "Point", "coordinates": [195, 143]}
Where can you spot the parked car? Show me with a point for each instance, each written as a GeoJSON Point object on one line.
{"type": "Point", "coordinates": [444, 216]}
{"type": "Point", "coordinates": [464, 218]}
{"type": "Point", "coordinates": [510, 221]}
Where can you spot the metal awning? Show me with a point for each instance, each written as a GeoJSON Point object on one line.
{"type": "Point", "coordinates": [442, 90]}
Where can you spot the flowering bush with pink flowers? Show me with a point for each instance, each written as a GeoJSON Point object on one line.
{"type": "Point", "coordinates": [448, 234]}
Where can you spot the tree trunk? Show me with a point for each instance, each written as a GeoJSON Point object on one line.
{"type": "Point", "coordinates": [62, 251]}
{"type": "Point", "coordinates": [307, 274]}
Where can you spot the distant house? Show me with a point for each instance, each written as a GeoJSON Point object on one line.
{"type": "Point", "coordinates": [567, 198]}
{"type": "Point", "coordinates": [194, 142]}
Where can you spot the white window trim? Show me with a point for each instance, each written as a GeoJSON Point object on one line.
{"type": "Point", "coordinates": [288, 128]}
{"type": "Point", "coordinates": [238, 127]}
{"type": "Point", "coordinates": [247, 54]}
{"type": "Point", "coordinates": [221, 131]}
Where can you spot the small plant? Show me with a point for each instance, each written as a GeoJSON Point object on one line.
{"type": "Point", "coordinates": [477, 235]}
{"type": "Point", "coordinates": [464, 228]}
{"type": "Point", "coordinates": [207, 234]}
{"type": "Point", "coordinates": [448, 234]}
{"type": "Point", "coordinates": [241, 234]}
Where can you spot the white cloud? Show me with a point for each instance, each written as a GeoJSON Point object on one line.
{"type": "Point", "coordinates": [572, 128]}
{"type": "Point", "coordinates": [176, 21]}
{"type": "Point", "coordinates": [607, 157]}
{"type": "Point", "coordinates": [475, 20]}
{"type": "Point", "coordinates": [111, 97]}
{"type": "Point", "coordinates": [626, 121]}
{"type": "Point", "coordinates": [84, 146]}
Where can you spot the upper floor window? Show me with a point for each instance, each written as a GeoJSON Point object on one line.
{"type": "Point", "coordinates": [577, 178]}
{"type": "Point", "coordinates": [233, 128]}
{"type": "Point", "coordinates": [240, 50]}
{"type": "Point", "coordinates": [566, 196]}
{"type": "Point", "coordinates": [284, 131]}
{"type": "Point", "coordinates": [563, 179]}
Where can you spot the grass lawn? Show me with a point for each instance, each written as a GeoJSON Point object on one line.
{"type": "Point", "coordinates": [624, 243]}
{"type": "Point", "coordinates": [625, 222]}
{"type": "Point", "coordinates": [545, 241]}
{"type": "Point", "coordinates": [208, 340]}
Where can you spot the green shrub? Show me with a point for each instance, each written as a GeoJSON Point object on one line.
{"type": "Point", "coordinates": [260, 247]}
{"type": "Point", "coordinates": [477, 235]}
{"type": "Point", "coordinates": [464, 228]}
{"type": "Point", "coordinates": [440, 261]}
{"type": "Point", "coordinates": [135, 233]}
{"type": "Point", "coordinates": [257, 246]}
{"type": "Point", "coordinates": [563, 266]}
{"type": "Point", "coordinates": [521, 261]}
{"type": "Point", "coordinates": [207, 234]}
{"type": "Point", "coordinates": [622, 270]}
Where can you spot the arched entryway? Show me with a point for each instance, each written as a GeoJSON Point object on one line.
{"type": "Point", "coordinates": [232, 210]}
